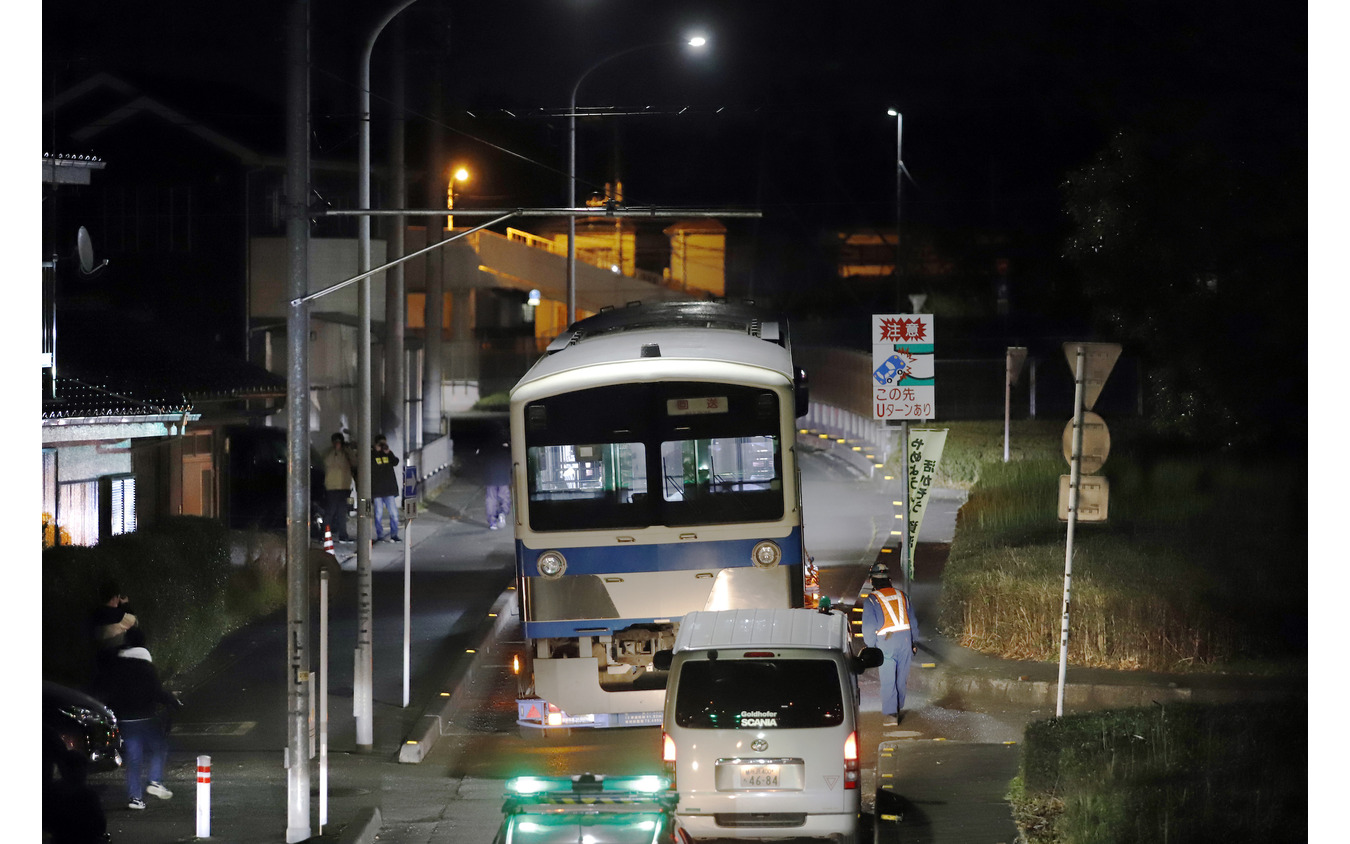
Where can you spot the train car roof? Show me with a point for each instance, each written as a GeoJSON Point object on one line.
{"type": "Point", "coordinates": [689, 330]}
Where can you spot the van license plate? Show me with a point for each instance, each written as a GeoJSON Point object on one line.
{"type": "Point", "coordinates": [759, 776]}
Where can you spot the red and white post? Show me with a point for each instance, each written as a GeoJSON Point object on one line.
{"type": "Point", "coordinates": [203, 796]}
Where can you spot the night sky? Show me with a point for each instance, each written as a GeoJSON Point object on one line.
{"type": "Point", "coordinates": [784, 111]}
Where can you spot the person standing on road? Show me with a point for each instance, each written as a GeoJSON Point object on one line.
{"type": "Point", "coordinates": [384, 488]}
{"type": "Point", "coordinates": [131, 689]}
{"type": "Point", "coordinates": [888, 623]}
{"type": "Point", "coordinates": [338, 473]}
{"type": "Point", "coordinates": [497, 478]}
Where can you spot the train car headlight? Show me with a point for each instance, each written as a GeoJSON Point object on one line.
{"type": "Point", "coordinates": [552, 564]}
{"type": "Point", "coordinates": [766, 554]}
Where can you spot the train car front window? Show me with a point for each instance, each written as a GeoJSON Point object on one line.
{"type": "Point", "coordinates": [710, 453]}
{"type": "Point", "coordinates": [595, 484]}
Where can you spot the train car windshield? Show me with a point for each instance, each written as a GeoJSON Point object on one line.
{"type": "Point", "coordinates": [669, 453]}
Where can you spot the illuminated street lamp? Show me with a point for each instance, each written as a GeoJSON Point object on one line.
{"type": "Point", "coordinates": [696, 42]}
{"type": "Point", "coordinates": [460, 175]}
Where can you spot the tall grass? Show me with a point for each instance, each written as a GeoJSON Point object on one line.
{"type": "Point", "coordinates": [1203, 563]}
{"type": "Point", "coordinates": [1177, 773]}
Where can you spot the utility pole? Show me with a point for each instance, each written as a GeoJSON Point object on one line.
{"type": "Point", "coordinates": [297, 424]}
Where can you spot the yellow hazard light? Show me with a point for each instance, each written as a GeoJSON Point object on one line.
{"type": "Point", "coordinates": [515, 663]}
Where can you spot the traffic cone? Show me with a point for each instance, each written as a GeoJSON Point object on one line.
{"type": "Point", "coordinates": [328, 541]}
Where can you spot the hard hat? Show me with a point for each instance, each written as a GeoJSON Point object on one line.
{"type": "Point", "coordinates": [880, 570]}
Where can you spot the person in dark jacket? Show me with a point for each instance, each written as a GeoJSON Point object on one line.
{"type": "Point", "coordinates": [384, 488]}
{"type": "Point", "coordinates": [109, 622]}
{"type": "Point", "coordinates": [132, 690]}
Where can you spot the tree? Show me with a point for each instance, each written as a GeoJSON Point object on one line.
{"type": "Point", "coordinates": [1191, 240]}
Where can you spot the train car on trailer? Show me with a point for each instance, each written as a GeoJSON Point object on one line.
{"type": "Point", "coordinates": [654, 470]}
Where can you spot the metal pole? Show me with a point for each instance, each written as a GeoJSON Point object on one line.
{"type": "Point", "coordinates": [1007, 400]}
{"type": "Point", "coordinates": [297, 423]}
{"type": "Point", "coordinates": [572, 203]}
{"type": "Point", "coordinates": [432, 354]}
{"type": "Point", "coordinates": [1075, 475]}
{"type": "Point", "coordinates": [899, 178]}
{"type": "Point", "coordinates": [364, 690]}
{"type": "Point", "coordinates": [323, 700]}
{"type": "Point", "coordinates": [396, 299]}
{"type": "Point", "coordinates": [407, 609]}
{"type": "Point", "coordinates": [906, 564]}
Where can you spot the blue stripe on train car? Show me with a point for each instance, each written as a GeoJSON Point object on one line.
{"type": "Point", "coordinates": [687, 556]}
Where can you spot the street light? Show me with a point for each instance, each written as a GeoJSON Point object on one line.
{"type": "Point", "coordinates": [899, 175]}
{"type": "Point", "coordinates": [460, 175]}
{"type": "Point", "coordinates": [696, 41]}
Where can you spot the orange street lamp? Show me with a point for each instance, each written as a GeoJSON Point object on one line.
{"type": "Point", "coordinates": [460, 175]}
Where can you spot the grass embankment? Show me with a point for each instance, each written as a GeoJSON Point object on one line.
{"type": "Point", "coordinates": [1177, 773]}
{"type": "Point", "coordinates": [1202, 565]}
{"type": "Point", "coordinates": [182, 587]}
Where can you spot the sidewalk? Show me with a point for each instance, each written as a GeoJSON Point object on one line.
{"type": "Point", "coordinates": [235, 699]}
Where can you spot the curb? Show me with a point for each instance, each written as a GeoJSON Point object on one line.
{"type": "Point", "coordinates": [429, 730]}
{"type": "Point", "coordinates": [364, 828]}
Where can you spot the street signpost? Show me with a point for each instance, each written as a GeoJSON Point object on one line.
{"type": "Point", "coordinates": [1091, 363]}
{"type": "Point", "coordinates": [902, 390]}
{"type": "Point", "coordinates": [1017, 356]}
{"type": "Point", "coordinates": [902, 367]}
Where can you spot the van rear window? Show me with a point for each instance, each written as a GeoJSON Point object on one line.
{"type": "Point", "coordinates": [757, 694]}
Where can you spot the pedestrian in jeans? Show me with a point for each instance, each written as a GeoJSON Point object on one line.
{"type": "Point", "coordinates": [132, 691]}
{"type": "Point", "coordinates": [497, 478]}
{"type": "Point", "coordinates": [337, 485]}
{"type": "Point", "coordinates": [384, 488]}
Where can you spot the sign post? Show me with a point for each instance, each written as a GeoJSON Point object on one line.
{"type": "Point", "coordinates": [902, 388]}
{"type": "Point", "coordinates": [1017, 355]}
{"type": "Point", "coordinates": [1091, 363]}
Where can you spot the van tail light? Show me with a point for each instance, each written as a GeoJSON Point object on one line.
{"type": "Point", "coordinates": [668, 755]}
{"type": "Point", "coordinates": [851, 760]}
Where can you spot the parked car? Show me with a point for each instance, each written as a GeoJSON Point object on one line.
{"type": "Point", "coordinates": [77, 731]}
{"type": "Point", "coordinates": [589, 807]}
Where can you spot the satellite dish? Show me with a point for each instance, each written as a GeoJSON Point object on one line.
{"type": "Point", "coordinates": [84, 246]}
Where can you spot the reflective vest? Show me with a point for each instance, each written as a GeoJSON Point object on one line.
{"type": "Point", "coordinates": [895, 608]}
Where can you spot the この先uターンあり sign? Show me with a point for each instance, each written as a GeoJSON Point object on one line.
{"type": "Point", "coordinates": [902, 367]}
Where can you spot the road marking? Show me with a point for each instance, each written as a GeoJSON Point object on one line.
{"type": "Point", "coordinates": [215, 728]}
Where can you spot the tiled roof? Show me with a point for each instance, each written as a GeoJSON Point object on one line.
{"type": "Point", "coordinates": [104, 396]}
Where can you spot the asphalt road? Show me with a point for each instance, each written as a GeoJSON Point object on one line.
{"type": "Point", "coordinates": [939, 776]}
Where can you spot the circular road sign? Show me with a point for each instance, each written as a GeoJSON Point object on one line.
{"type": "Point", "coordinates": [1096, 442]}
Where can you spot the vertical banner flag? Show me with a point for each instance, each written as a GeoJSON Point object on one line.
{"type": "Point", "coordinates": [925, 450]}
{"type": "Point", "coordinates": [902, 367]}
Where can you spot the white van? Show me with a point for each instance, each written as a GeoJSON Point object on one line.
{"type": "Point", "coordinates": [760, 728]}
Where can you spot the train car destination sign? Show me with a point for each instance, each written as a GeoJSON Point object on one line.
{"type": "Point", "coordinates": [902, 367]}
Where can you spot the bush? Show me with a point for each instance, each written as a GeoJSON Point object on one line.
{"type": "Point", "coordinates": [1184, 772]}
{"type": "Point", "coordinates": [1202, 565]}
{"type": "Point", "coordinates": [184, 591]}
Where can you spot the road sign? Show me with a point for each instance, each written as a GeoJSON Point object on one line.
{"type": "Point", "coordinates": [902, 367]}
{"type": "Point", "coordinates": [1096, 442]}
{"type": "Point", "coordinates": [1017, 358]}
{"type": "Point", "coordinates": [1094, 492]}
{"type": "Point", "coordinates": [1098, 361]}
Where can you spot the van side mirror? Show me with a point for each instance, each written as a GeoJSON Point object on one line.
{"type": "Point", "coordinates": [868, 658]}
{"type": "Point", "coordinates": [661, 660]}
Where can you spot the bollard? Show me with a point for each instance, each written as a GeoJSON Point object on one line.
{"type": "Point", "coordinates": [203, 796]}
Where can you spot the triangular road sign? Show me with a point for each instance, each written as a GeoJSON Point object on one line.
{"type": "Point", "coordinates": [1098, 361]}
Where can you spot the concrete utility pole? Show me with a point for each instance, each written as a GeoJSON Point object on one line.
{"type": "Point", "coordinates": [297, 423]}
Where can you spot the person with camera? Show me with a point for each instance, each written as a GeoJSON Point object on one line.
{"type": "Point", "coordinates": [384, 488]}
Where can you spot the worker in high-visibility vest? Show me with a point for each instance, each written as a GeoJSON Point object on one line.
{"type": "Point", "coordinates": [888, 623]}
